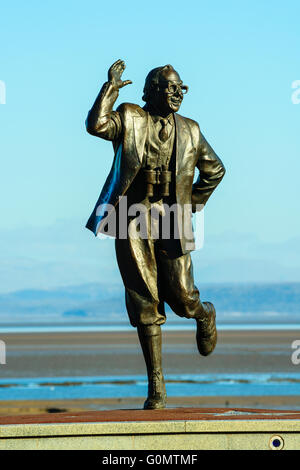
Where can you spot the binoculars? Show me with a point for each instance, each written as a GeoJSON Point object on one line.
{"type": "Point", "coordinates": [157, 176]}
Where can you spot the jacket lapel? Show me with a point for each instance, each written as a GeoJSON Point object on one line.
{"type": "Point", "coordinates": [182, 139]}
{"type": "Point", "coordinates": [140, 125]}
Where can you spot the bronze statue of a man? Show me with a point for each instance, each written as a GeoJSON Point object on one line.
{"type": "Point", "coordinates": [156, 153]}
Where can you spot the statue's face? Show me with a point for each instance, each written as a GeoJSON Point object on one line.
{"type": "Point", "coordinates": [170, 94]}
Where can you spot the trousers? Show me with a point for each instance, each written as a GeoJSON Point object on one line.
{"type": "Point", "coordinates": [153, 275]}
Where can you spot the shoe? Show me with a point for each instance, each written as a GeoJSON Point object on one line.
{"type": "Point", "coordinates": [156, 392]}
{"type": "Point", "coordinates": [206, 335]}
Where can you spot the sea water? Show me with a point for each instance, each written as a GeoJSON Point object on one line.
{"type": "Point", "coordinates": [60, 388]}
{"type": "Point", "coordinates": [125, 327]}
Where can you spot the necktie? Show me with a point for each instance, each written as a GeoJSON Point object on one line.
{"type": "Point", "coordinates": [163, 133]}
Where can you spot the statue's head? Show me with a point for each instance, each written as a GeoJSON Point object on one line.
{"type": "Point", "coordinates": [164, 89]}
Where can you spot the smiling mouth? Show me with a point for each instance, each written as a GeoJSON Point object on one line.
{"type": "Point", "coordinates": [176, 101]}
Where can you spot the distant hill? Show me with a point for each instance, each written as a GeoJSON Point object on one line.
{"type": "Point", "coordinates": [67, 254]}
{"type": "Point", "coordinates": [235, 302]}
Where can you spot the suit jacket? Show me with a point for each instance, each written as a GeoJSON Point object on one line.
{"type": "Point", "coordinates": [126, 128]}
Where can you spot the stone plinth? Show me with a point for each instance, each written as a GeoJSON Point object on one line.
{"type": "Point", "coordinates": [169, 429]}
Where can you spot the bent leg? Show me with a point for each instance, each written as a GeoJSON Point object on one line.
{"type": "Point", "coordinates": [176, 277]}
{"type": "Point", "coordinates": [177, 283]}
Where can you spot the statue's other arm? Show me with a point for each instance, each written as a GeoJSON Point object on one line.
{"type": "Point", "coordinates": [102, 121]}
{"type": "Point", "coordinates": [211, 172]}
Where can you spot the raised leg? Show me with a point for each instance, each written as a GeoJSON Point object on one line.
{"type": "Point", "coordinates": [180, 292]}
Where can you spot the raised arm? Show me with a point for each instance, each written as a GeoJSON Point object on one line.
{"type": "Point", "coordinates": [102, 121]}
{"type": "Point", "coordinates": [211, 173]}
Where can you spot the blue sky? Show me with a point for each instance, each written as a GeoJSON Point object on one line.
{"type": "Point", "coordinates": [239, 60]}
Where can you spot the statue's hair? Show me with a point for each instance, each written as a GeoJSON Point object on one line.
{"type": "Point", "coordinates": [152, 81]}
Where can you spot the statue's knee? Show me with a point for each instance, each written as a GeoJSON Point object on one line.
{"type": "Point", "coordinates": [185, 307]}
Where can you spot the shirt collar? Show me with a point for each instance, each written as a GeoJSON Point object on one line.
{"type": "Point", "coordinates": [157, 118]}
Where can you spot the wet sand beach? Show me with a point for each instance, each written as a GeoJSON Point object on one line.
{"type": "Point", "coordinates": [118, 353]}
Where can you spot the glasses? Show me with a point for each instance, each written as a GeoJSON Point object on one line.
{"type": "Point", "coordinates": [173, 88]}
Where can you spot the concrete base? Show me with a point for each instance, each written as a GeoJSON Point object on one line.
{"type": "Point", "coordinates": [169, 429]}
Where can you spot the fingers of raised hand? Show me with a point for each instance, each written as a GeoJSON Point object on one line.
{"type": "Point", "coordinates": [116, 64]}
{"type": "Point", "coordinates": [115, 70]}
{"type": "Point", "coordinates": [115, 73]}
